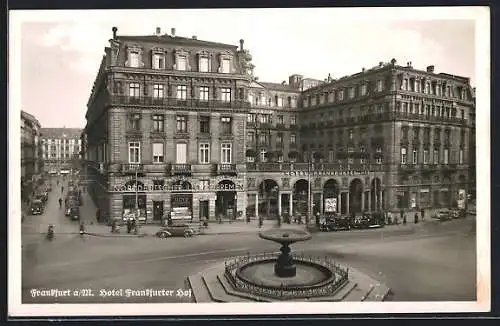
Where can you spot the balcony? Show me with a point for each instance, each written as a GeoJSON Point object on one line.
{"type": "Point", "coordinates": [226, 169]}
{"type": "Point", "coordinates": [175, 102]}
{"type": "Point", "coordinates": [132, 168]}
{"type": "Point", "coordinates": [407, 167]}
{"type": "Point", "coordinates": [280, 126]}
{"type": "Point", "coordinates": [176, 169]}
{"type": "Point", "coordinates": [134, 133]}
{"type": "Point", "coordinates": [315, 169]}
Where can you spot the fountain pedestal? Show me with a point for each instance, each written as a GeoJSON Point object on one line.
{"type": "Point", "coordinates": [284, 266]}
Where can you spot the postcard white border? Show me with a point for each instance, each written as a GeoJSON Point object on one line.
{"type": "Point", "coordinates": [16, 309]}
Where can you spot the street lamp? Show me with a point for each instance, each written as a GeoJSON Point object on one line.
{"type": "Point", "coordinates": [309, 194]}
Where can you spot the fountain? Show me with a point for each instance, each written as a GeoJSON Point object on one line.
{"type": "Point", "coordinates": [286, 276]}
{"type": "Point", "coordinates": [284, 266]}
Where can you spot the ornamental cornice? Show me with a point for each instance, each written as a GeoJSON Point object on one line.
{"type": "Point", "coordinates": [158, 50]}
{"type": "Point", "coordinates": [135, 47]}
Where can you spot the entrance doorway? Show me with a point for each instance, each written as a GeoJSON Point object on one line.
{"type": "Point", "coordinates": [268, 199]}
{"type": "Point", "coordinates": [355, 199]}
{"type": "Point", "coordinates": [225, 202]}
{"type": "Point", "coordinates": [157, 210]}
{"type": "Point", "coordinates": [203, 209]}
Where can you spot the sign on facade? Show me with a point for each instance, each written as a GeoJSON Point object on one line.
{"type": "Point", "coordinates": [461, 198]}
{"type": "Point", "coordinates": [330, 205]}
{"type": "Point", "coordinates": [323, 173]}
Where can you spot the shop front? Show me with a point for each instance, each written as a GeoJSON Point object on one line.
{"type": "Point", "coordinates": [225, 202]}
{"type": "Point", "coordinates": [181, 201]}
{"type": "Point", "coordinates": [134, 201]}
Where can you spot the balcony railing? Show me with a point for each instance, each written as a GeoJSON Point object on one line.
{"type": "Point", "coordinates": [132, 168]}
{"type": "Point", "coordinates": [180, 169]}
{"type": "Point", "coordinates": [314, 168]}
{"type": "Point", "coordinates": [389, 116]}
{"type": "Point", "coordinates": [134, 133]}
{"type": "Point", "coordinates": [226, 169]}
{"type": "Point", "coordinates": [162, 102]}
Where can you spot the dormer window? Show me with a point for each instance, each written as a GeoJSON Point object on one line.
{"type": "Point", "coordinates": [204, 64]}
{"type": "Point", "coordinates": [203, 61]}
{"type": "Point", "coordinates": [226, 66]}
{"type": "Point", "coordinates": [134, 59]}
{"type": "Point", "coordinates": [157, 58]}
{"type": "Point", "coordinates": [341, 95]}
{"type": "Point", "coordinates": [181, 63]}
{"type": "Point", "coordinates": [181, 60]}
{"type": "Point", "coordinates": [351, 92]}
{"type": "Point", "coordinates": [158, 61]}
{"type": "Point", "coordinates": [225, 63]}
{"type": "Point", "coordinates": [364, 89]}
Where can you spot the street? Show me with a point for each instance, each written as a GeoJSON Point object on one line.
{"type": "Point", "coordinates": [424, 262]}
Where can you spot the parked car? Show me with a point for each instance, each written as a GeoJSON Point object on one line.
{"type": "Point", "coordinates": [74, 213]}
{"type": "Point", "coordinates": [336, 223]}
{"type": "Point", "coordinates": [36, 207]}
{"type": "Point", "coordinates": [368, 221]}
{"type": "Point", "coordinates": [458, 213]}
{"type": "Point", "coordinates": [444, 215]}
{"type": "Point", "coordinates": [179, 230]}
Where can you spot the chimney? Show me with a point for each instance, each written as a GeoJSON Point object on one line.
{"type": "Point", "coordinates": [158, 31]}
{"type": "Point", "coordinates": [114, 29]}
{"type": "Point", "coordinates": [241, 44]}
{"type": "Point", "coordinates": [380, 64]}
{"type": "Point", "coordinates": [194, 37]}
{"type": "Point", "coordinates": [172, 32]}
{"type": "Point", "coordinates": [430, 68]}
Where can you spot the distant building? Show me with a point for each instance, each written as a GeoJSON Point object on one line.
{"type": "Point", "coordinates": [31, 163]}
{"type": "Point", "coordinates": [188, 117]}
{"type": "Point", "coordinates": [60, 148]}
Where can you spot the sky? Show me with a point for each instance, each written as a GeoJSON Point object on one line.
{"type": "Point", "coordinates": [60, 52]}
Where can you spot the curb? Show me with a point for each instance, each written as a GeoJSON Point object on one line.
{"type": "Point", "coordinates": [104, 235]}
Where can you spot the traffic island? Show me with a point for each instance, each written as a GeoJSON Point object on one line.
{"type": "Point", "coordinates": [270, 277]}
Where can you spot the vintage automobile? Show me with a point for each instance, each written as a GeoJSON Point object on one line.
{"type": "Point", "coordinates": [368, 221]}
{"type": "Point", "coordinates": [176, 230]}
{"type": "Point", "coordinates": [444, 215]}
{"type": "Point", "coordinates": [36, 207]}
{"type": "Point", "coordinates": [41, 197]}
{"type": "Point", "coordinates": [458, 213]}
{"type": "Point", "coordinates": [70, 203]}
{"type": "Point", "coordinates": [335, 223]}
{"type": "Point", "coordinates": [74, 213]}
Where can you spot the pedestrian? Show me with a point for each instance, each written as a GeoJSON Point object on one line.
{"type": "Point", "coordinates": [260, 221]}
{"type": "Point", "coordinates": [416, 218]}
{"type": "Point", "coordinates": [129, 225]}
{"type": "Point", "coordinates": [60, 202]}
{"type": "Point", "coordinates": [82, 229]}
{"type": "Point", "coordinates": [401, 213]}
{"type": "Point", "coordinates": [404, 219]}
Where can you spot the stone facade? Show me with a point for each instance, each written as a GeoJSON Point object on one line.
{"type": "Point", "coordinates": [31, 162]}
{"type": "Point", "coordinates": [164, 110]}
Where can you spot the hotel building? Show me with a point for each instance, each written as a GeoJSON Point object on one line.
{"type": "Point", "coordinates": [60, 148]}
{"type": "Point", "coordinates": [180, 122]}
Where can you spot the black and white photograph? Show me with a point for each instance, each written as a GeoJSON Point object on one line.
{"type": "Point", "coordinates": [282, 161]}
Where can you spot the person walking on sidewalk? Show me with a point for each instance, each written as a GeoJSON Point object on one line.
{"type": "Point", "coordinates": [416, 218]}
{"type": "Point", "coordinates": [60, 202]}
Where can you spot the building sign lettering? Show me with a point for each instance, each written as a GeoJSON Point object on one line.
{"type": "Point", "coordinates": [323, 173]}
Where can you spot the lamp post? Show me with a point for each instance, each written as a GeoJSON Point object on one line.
{"type": "Point", "coordinates": [309, 195]}
{"type": "Point", "coordinates": [136, 194]}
